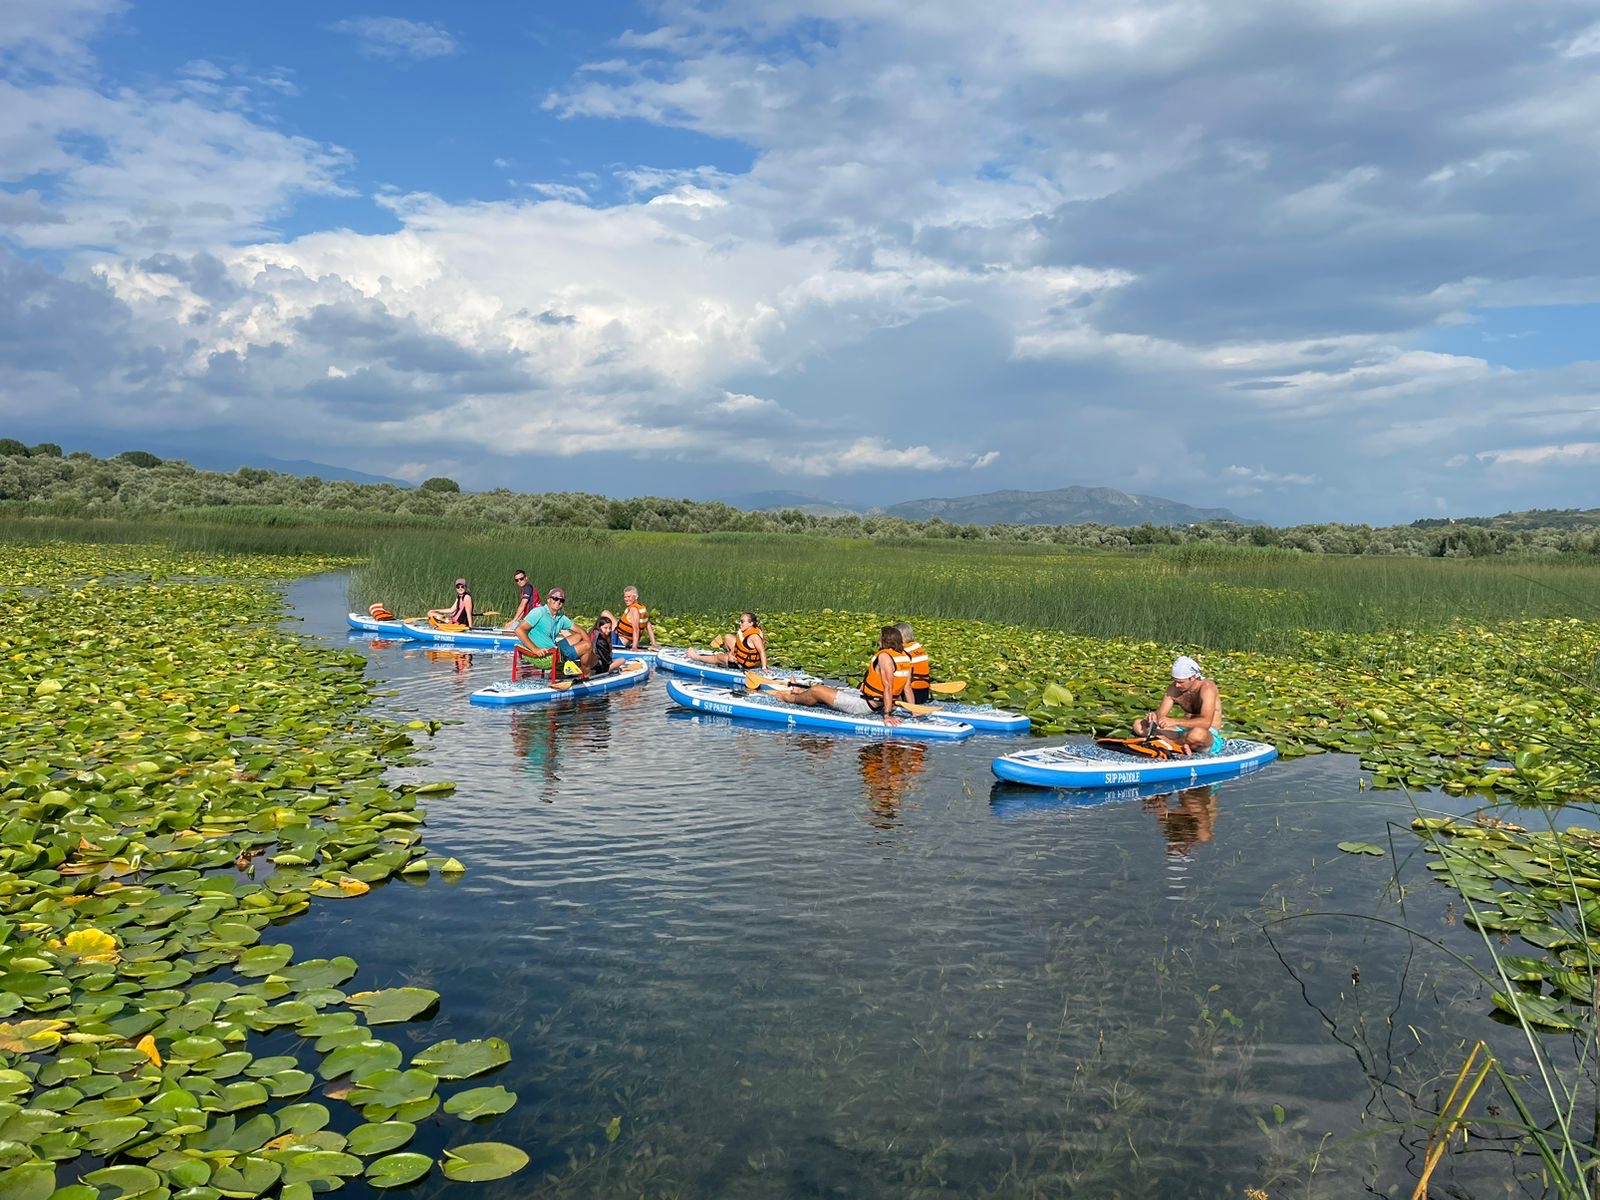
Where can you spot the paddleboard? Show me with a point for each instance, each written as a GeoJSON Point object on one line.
{"type": "Point", "coordinates": [983, 717]}
{"type": "Point", "coordinates": [1091, 766]}
{"type": "Point", "coordinates": [367, 624]}
{"type": "Point", "coordinates": [756, 706]}
{"type": "Point", "coordinates": [492, 639]}
{"type": "Point", "coordinates": [539, 691]}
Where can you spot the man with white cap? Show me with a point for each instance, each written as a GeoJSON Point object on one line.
{"type": "Point", "coordinates": [1196, 696]}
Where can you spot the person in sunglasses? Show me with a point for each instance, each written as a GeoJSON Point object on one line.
{"type": "Point", "coordinates": [547, 632]}
{"type": "Point", "coordinates": [461, 614]}
{"type": "Point", "coordinates": [527, 600]}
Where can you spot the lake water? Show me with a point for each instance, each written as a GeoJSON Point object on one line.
{"type": "Point", "coordinates": [743, 961]}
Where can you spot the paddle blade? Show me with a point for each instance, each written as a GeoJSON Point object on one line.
{"type": "Point", "coordinates": [949, 688]}
{"type": "Point", "coordinates": [755, 682]}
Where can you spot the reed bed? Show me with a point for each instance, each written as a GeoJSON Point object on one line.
{"type": "Point", "coordinates": [1222, 597]}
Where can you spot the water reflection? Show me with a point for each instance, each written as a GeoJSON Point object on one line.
{"type": "Point", "coordinates": [543, 734]}
{"type": "Point", "coordinates": [1193, 820]}
{"type": "Point", "coordinates": [889, 770]}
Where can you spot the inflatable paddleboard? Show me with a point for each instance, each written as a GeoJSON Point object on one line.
{"type": "Point", "coordinates": [983, 717]}
{"type": "Point", "coordinates": [1091, 766]}
{"type": "Point", "coordinates": [490, 639]}
{"type": "Point", "coordinates": [713, 698]}
{"type": "Point", "coordinates": [368, 624]}
{"type": "Point", "coordinates": [539, 691]}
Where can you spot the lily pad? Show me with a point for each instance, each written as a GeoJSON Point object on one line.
{"type": "Point", "coordinates": [474, 1103]}
{"type": "Point", "coordinates": [391, 1005]}
{"type": "Point", "coordinates": [380, 1136]}
{"type": "Point", "coordinates": [479, 1162]}
{"type": "Point", "coordinates": [462, 1060]}
{"type": "Point", "coordinates": [397, 1170]}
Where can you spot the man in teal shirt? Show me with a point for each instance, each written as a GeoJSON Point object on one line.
{"type": "Point", "coordinates": [542, 628]}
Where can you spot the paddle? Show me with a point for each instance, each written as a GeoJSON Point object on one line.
{"type": "Point", "coordinates": [755, 682]}
{"type": "Point", "coordinates": [949, 688]}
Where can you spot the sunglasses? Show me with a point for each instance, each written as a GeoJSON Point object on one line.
{"type": "Point", "coordinates": [461, 587]}
{"type": "Point", "coordinates": [559, 599]}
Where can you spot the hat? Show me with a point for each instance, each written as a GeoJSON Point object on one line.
{"type": "Point", "coordinates": [1185, 668]}
{"type": "Point", "coordinates": [461, 583]}
{"type": "Point", "coordinates": [557, 594]}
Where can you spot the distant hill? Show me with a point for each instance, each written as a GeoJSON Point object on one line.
{"type": "Point", "coordinates": [229, 463]}
{"type": "Point", "coordinates": [1534, 518]}
{"type": "Point", "coordinates": [812, 506]}
{"type": "Point", "coordinates": [1064, 506]}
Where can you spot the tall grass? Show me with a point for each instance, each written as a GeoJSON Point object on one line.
{"type": "Point", "coordinates": [1221, 597]}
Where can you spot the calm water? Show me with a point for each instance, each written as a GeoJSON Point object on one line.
{"type": "Point", "coordinates": [780, 965]}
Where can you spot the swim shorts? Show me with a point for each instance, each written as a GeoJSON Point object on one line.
{"type": "Point", "coordinates": [1218, 741]}
{"type": "Point", "coordinates": [852, 702]}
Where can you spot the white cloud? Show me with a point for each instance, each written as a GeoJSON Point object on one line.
{"type": "Point", "coordinates": [1565, 454]}
{"type": "Point", "coordinates": [398, 38]}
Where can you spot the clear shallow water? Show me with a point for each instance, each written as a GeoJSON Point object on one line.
{"type": "Point", "coordinates": [793, 965]}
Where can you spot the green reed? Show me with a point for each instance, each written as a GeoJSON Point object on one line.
{"type": "Point", "coordinates": [1204, 595]}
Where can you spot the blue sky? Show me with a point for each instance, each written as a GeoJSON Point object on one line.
{"type": "Point", "coordinates": [1316, 260]}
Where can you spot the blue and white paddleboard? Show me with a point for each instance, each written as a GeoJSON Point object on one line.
{"type": "Point", "coordinates": [490, 639]}
{"type": "Point", "coordinates": [539, 691]}
{"type": "Point", "coordinates": [1091, 766]}
{"type": "Point", "coordinates": [983, 717]}
{"type": "Point", "coordinates": [368, 624]}
{"type": "Point", "coordinates": [756, 706]}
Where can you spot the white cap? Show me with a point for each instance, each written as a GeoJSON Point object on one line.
{"type": "Point", "coordinates": [1185, 668]}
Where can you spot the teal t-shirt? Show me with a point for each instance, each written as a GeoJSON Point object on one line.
{"type": "Point", "coordinates": [543, 626]}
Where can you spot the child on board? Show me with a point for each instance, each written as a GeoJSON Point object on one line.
{"type": "Point", "coordinates": [888, 680]}
{"type": "Point", "coordinates": [1197, 697]}
{"type": "Point", "coordinates": [920, 676]}
{"type": "Point", "coordinates": [745, 648]}
{"type": "Point", "coordinates": [461, 614]}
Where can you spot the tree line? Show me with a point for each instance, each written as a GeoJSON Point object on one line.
{"type": "Point", "coordinates": [41, 480]}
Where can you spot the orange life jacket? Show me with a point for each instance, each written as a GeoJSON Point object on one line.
{"type": "Point", "coordinates": [380, 612]}
{"type": "Point", "coordinates": [630, 625]}
{"type": "Point", "coordinates": [872, 686]}
{"type": "Point", "coordinates": [919, 664]}
{"type": "Point", "coordinates": [745, 652]}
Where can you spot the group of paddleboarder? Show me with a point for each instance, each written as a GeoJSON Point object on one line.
{"type": "Point", "coordinates": [898, 676]}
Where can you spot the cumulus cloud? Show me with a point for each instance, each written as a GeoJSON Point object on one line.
{"type": "Point", "coordinates": [398, 38]}
{"type": "Point", "coordinates": [1069, 243]}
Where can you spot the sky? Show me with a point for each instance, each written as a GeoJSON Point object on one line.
{"type": "Point", "coordinates": [1309, 260]}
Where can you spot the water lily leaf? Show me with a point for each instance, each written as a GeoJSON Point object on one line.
{"type": "Point", "coordinates": [104, 1137]}
{"type": "Point", "coordinates": [391, 1088]}
{"type": "Point", "coordinates": [316, 1166]}
{"type": "Point", "coordinates": [390, 1005]}
{"type": "Point", "coordinates": [147, 1046]}
{"type": "Point", "coordinates": [303, 1118]}
{"type": "Point", "coordinates": [264, 960]}
{"type": "Point", "coordinates": [127, 1178]}
{"type": "Point", "coordinates": [24, 1037]}
{"type": "Point", "coordinates": [246, 1177]}
{"type": "Point", "coordinates": [30, 1181]}
{"type": "Point", "coordinates": [462, 1060]}
{"type": "Point", "coordinates": [91, 945]}
{"type": "Point", "coordinates": [480, 1102]}
{"type": "Point", "coordinates": [359, 1059]}
{"type": "Point", "coordinates": [481, 1161]}
{"type": "Point", "coordinates": [397, 1170]}
{"type": "Point", "coordinates": [1360, 848]}
{"type": "Point", "coordinates": [319, 972]}
{"type": "Point", "coordinates": [1540, 1011]}
{"type": "Point", "coordinates": [379, 1136]}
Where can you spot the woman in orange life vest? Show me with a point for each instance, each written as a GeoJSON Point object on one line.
{"type": "Point", "coordinates": [919, 663]}
{"type": "Point", "coordinates": [633, 623]}
{"type": "Point", "coordinates": [746, 649]}
{"type": "Point", "coordinates": [888, 680]}
{"type": "Point", "coordinates": [461, 614]}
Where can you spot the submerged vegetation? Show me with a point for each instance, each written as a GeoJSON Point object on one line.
{"type": "Point", "coordinates": [176, 778]}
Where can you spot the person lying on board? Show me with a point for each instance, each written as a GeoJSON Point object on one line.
{"type": "Point", "coordinates": [745, 648]}
{"type": "Point", "coordinates": [888, 679]}
{"type": "Point", "coordinates": [461, 614]}
{"type": "Point", "coordinates": [527, 600]}
{"type": "Point", "coordinates": [1196, 696]}
{"type": "Point", "coordinates": [919, 663]}
{"type": "Point", "coordinates": [633, 623]}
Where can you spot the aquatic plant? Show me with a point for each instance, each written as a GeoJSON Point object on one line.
{"type": "Point", "coordinates": [177, 777]}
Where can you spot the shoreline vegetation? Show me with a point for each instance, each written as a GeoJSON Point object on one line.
{"type": "Point", "coordinates": [43, 482]}
{"type": "Point", "coordinates": [177, 777]}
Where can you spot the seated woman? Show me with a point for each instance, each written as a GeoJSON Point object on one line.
{"type": "Point", "coordinates": [600, 642]}
{"type": "Point", "coordinates": [888, 680]}
{"type": "Point", "coordinates": [461, 614]}
{"type": "Point", "coordinates": [746, 648]}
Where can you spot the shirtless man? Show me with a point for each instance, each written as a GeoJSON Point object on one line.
{"type": "Point", "coordinates": [1196, 696]}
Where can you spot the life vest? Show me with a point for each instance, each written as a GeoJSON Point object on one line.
{"type": "Point", "coordinates": [919, 664]}
{"type": "Point", "coordinates": [379, 612]}
{"type": "Point", "coordinates": [872, 686]}
{"type": "Point", "coordinates": [1155, 746]}
{"type": "Point", "coordinates": [631, 623]}
{"type": "Point", "coordinates": [745, 653]}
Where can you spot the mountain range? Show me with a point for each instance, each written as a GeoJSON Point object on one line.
{"type": "Point", "coordinates": [1062, 506]}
